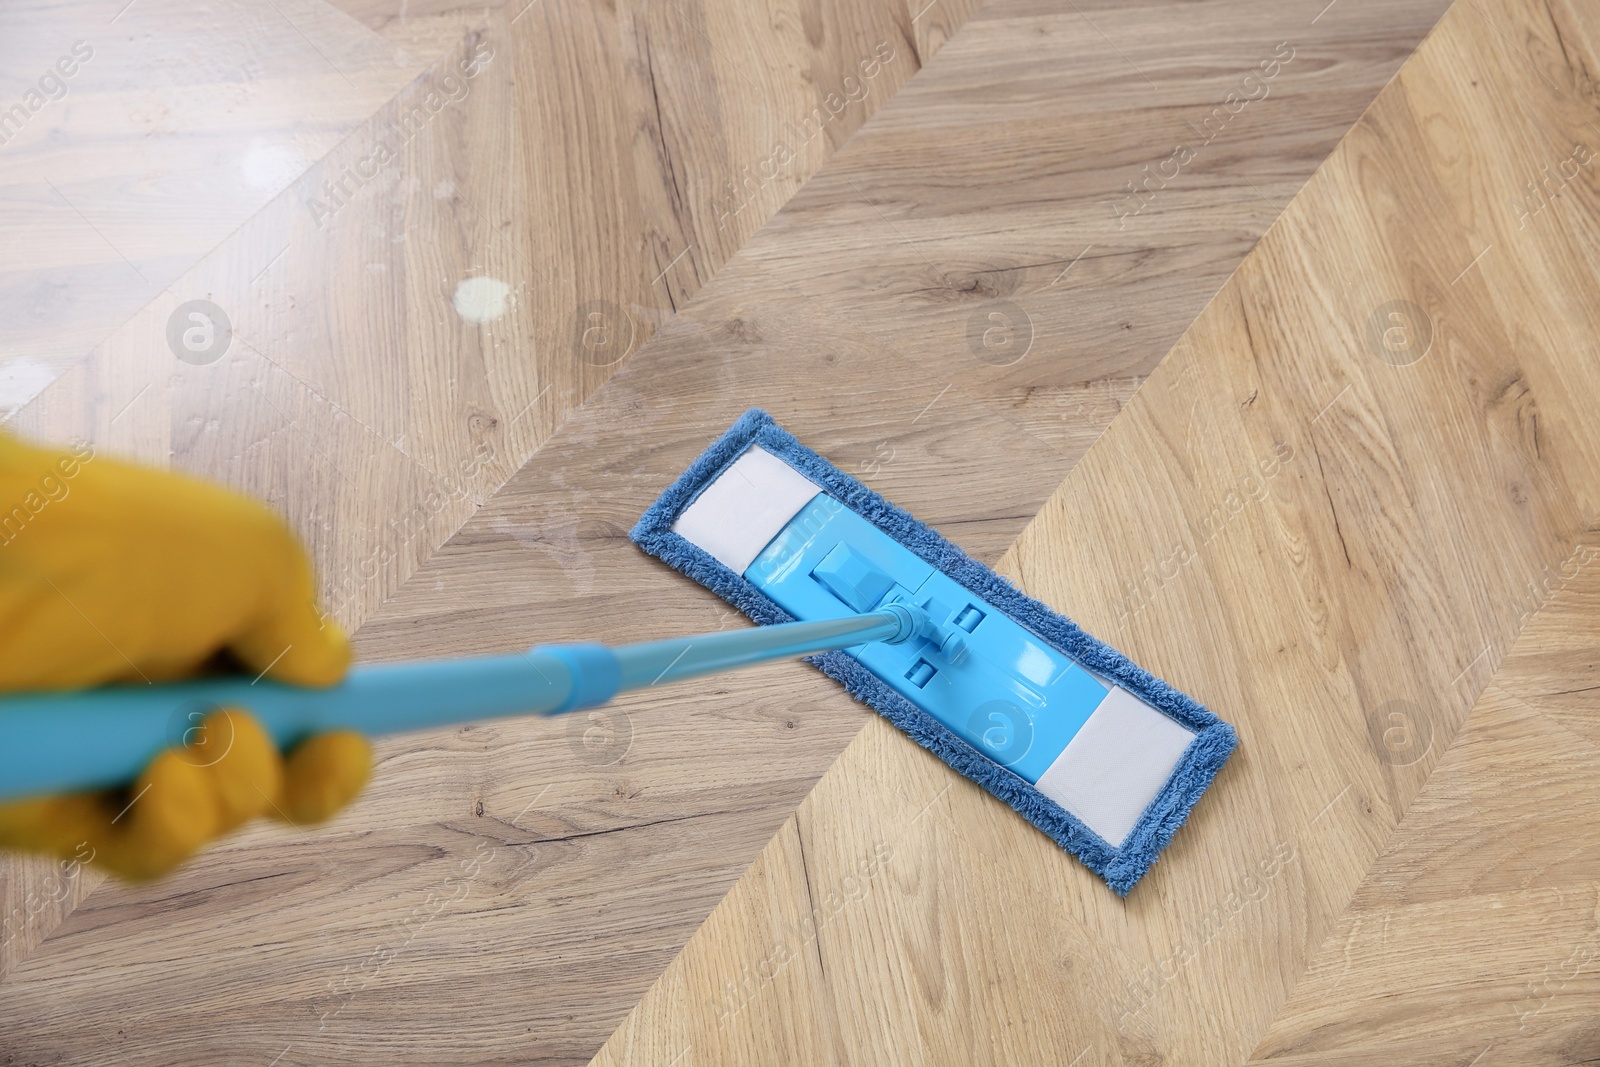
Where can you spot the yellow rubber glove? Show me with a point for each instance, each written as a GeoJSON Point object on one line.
{"type": "Point", "coordinates": [111, 572]}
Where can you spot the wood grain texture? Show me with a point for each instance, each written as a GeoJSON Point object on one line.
{"type": "Point", "coordinates": [1328, 516]}
{"type": "Point", "coordinates": [359, 403]}
{"type": "Point", "coordinates": [1477, 930]}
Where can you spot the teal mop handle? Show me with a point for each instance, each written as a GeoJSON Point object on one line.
{"type": "Point", "coordinates": [55, 742]}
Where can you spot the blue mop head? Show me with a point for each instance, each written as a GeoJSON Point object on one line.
{"type": "Point", "coordinates": [1108, 762]}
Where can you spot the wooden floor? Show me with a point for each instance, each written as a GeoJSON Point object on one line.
{"type": "Point", "coordinates": [1361, 493]}
{"type": "Point", "coordinates": [467, 486]}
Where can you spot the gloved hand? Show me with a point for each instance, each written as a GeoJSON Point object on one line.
{"type": "Point", "coordinates": [111, 572]}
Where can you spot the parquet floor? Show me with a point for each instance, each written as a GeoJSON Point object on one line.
{"type": "Point", "coordinates": [1360, 494]}
{"type": "Point", "coordinates": [466, 486]}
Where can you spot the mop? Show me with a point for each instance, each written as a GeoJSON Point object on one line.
{"type": "Point", "coordinates": [1104, 758]}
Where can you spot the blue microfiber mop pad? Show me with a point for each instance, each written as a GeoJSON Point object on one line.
{"type": "Point", "coordinates": [1123, 755]}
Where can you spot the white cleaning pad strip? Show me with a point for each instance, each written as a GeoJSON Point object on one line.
{"type": "Point", "coordinates": [1116, 764]}
{"type": "Point", "coordinates": [735, 516]}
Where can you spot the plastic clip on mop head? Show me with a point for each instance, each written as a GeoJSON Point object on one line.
{"type": "Point", "coordinates": [1097, 753]}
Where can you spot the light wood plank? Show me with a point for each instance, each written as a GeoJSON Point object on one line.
{"type": "Point", "coordinates": [1477, 931]}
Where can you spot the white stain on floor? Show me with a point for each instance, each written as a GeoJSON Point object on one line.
{"type": "Point", "coordinates": [481, 299]}
{"type": "Point", "coordinates": [271, 166]}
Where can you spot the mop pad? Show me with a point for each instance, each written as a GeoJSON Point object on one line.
{"type": "Point", "coordinates": [1104, 758]}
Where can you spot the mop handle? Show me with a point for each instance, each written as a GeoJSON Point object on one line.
{"type": "Point", "coordinates": [54, 742]}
